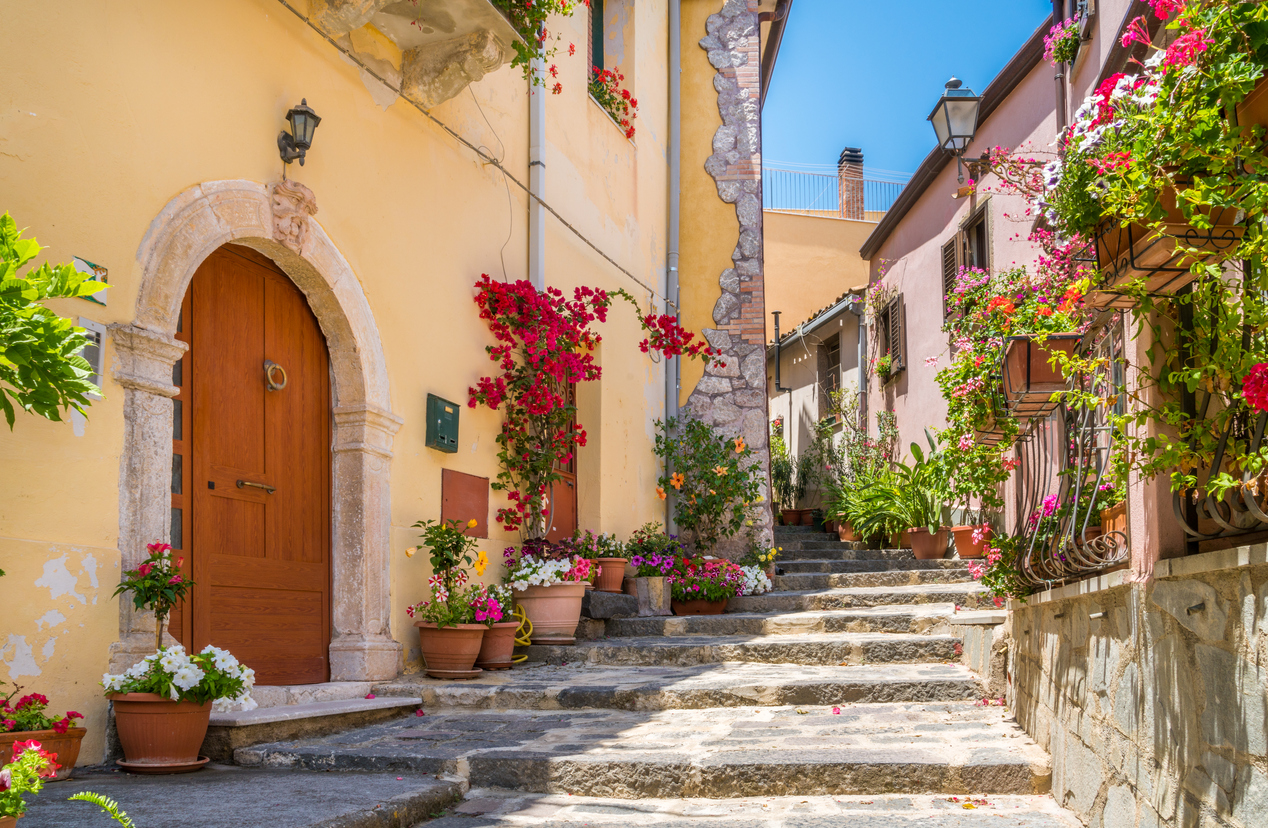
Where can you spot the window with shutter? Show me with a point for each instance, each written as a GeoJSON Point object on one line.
{"type": "Point", "coordinates": [892, 330]}
{"type": "Point", "coordinates": [950, 269]}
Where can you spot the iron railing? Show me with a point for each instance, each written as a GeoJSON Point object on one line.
{"type": "Point", "coordinates": [847, 195]}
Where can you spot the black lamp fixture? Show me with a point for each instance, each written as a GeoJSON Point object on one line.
{"type": "Point", "coordinates": [303, 123]}
{"type": "Point", "coordinates": [954, 120]}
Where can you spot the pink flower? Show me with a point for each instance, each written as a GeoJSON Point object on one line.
{"type": "Point", "coordinates": [1136, 33]}
{"type": "Point", "coordinates": [175, 579]}
{"type": "Point", "coordinates": [144, 569]}
{"type": "Point", "coordinates": [369, 695]}
{"type": "Point", "coordinates": [836, 711]}
{"type": "Point", "coordinates": [1050, 505]}
{"type": "Point", "coordinates": [966, 443]}
{"type": "Point", "coordinates": [931, 361]}
{"type": "Point", "coordinates": [1185, 51]}
{"type": "Point", "coordinates": [419, 713]}
{"type": "Point", "coordinates": [1255, 387]}
{"type": "Point", "coordinates": [1164, 8]}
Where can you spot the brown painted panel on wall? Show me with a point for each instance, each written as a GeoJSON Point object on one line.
{"type": "Point", "coordinates": [465, 496]}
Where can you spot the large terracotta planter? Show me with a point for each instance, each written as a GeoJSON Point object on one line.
{"type": "Point", "coordinates": [927, 547]}
{"type": "Point", "coordinates": [699, 606]}
{"type": "Point", "coordinates": [652, 593]}
{"type": "Point", "coordinates": [497, 647]}
{"type": "Point", "coordinates": [845, 532]}
{"type": "Point", "coordinates": [611, 573]}
{"type": "Point", "coordinates": [791, 517]}
{"type": "Point", "coordinates": [964, 545]}
{"type": "Point", "coordinates": [1030, 379]}
{"type": "Point", "coordinates": [1125, 252]}
{"type": "Point", "coordinates": [65, 745]}
{"type": "Point", "coordinates": [8, 822]}
{"type": "Point", "coordinates": [1114, 519]}
{"type": "Point", "coordinates": [159, 735]}
{"type": "Point", "coordinates": [449, 649]}
{"type": "Point", "coordinates": [807, 517]}
{"type": "Point", "coordinates": [554, 611]}
{"type": "Point", "coordinates": [901, 540]}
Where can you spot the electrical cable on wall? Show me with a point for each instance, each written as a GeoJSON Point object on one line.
{"type": "Point", "coordinates": [489, 159]}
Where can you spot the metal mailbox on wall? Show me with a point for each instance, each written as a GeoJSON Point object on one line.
{"type": "Point", "coordinates": [442, 424]}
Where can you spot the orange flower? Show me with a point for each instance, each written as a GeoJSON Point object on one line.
{"type": "Point", "coordinates": [720, 471]}
{"type": "Point", "coordinates": [739, 445]}
{"type": "Point", "coordinates": [660, 492]}
{"type": "Point", "coordinates": [677, 480]}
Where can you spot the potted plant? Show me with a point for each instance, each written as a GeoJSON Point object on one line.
{"type": "Point", "coordinates": [912, 500]}
{"type": "Point", "coordinates": [448, 633]}
{"type": "Point", "coordinates": [163, 703]}
{"type": "Point", "coordinates": [717, 477]}
{"type": "Point", "coordinates": [702, 586]}
{"type": "Point", "coordinates": [1032, 372]}
{"type": "Point", "coordinates": [548, 584]}
{"type": "Point", "coordinates": [25, 720]}
{"type": "Point", "coordinates": [884, 366]}
{"type": "Point", "coordinates": [495, 608]}
{"type": "Point", "coordinates": [760, 559]}
{"type": "Point", "coordinates": [652, 555]}
{"type": "Point", "coordinates": [24, 774]}
{"type": "Point", "coordinates": [612, 561]}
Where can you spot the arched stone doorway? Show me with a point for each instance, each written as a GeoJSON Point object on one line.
{"type": "Point", "coordinates": [276, 222]}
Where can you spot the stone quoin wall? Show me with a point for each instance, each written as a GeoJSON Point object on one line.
{"type": "Point", "coordinates": [1152, 698]}
{"type": "Point", "coordinates": [732, 394]}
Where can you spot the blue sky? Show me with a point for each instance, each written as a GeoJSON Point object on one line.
{"type": "Point", "coordinates": [866, 73]}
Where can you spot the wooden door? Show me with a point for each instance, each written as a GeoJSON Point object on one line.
{"type": "Point", "coordinates": [258, 532]}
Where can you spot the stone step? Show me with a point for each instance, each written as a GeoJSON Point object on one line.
{"type": "Point", "coordinates": [794, 565]}
{"type": "Point", "coordinates": [805, 648]}
{"type": "Point", "coordinates": [805, 581]}
{"type": "Point", "coordinates": [234, 729]}
{"type": "Point", "coordinates": [950, 748]}
{"type": "Point", "coordinates": [546, 687]}
{"type": "Point", "coordinates": [842, 552]}
{"type": "Point", "coordinates": [970, 595]}
{"type": "Point", "coordinates": [921, 618]}
{"type": "Point", "coordinates": [797, 531]}
{"type": "Point", "coordinates": [494, 808]}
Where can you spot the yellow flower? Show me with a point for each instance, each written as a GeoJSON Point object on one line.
{"type": "Point", "coordinates": [720, 471]}
{"type": "Point", "coordinates": [471, 524]}
{"type": "Point", "coordinates": [660, 492]}
{"type": "Point", "coordinates": [677, 480]}
{"type": "Point", "coordinates": [409, 553]}
{"type": "Point", "coordinates": [760, 499]}
{"type": "Point", "coordinates": [481, 562]}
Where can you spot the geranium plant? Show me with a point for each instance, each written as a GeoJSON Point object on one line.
{"type": "Point", "coordinates": [1061, 43]}
{"type": "Point", "coordinates": [31, 765]}
{"type": "Point", "coordinates": [539, 563]}
{"type": "Point", "coordinates": [717, 479]}
{"type": "Point", "coordinates": [707, 579]}
{"type": "Point", "coordinates": [212, 675]}
{"type": "Point", "coordinates": [156, 585]}
{"type": "Point", "coordinates": [529, 17]}
{"type": "Point", "coordinates": [621, 106]}
{"type": "Point", "coordinates": [27, 713]}
{"type": "Point", "coordinates": [999, 572]}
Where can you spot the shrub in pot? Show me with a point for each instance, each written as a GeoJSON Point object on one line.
{"type": "Point", "coordinates": [911, 499]}
{"type": "Point", "coordinates": [24, 774]}
{"type": "Point", "coordinates": [24, 720]}
{"type": "Point", "coordinates": [549, 584]}
{"type": "Point", "coordinates": [448, 633]}
{"type": "Point", "coordinates": [718, 479]}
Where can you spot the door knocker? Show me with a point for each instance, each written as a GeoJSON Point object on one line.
{"type": "Point", "coordinates": [269, 367]}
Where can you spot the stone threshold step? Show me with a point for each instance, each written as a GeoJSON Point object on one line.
{"type": "Point", "coordinates": [919, 618]}
{"type": "Point", "coordinates": [966, 595]}
{"type": "Point", "coordinates": [228, 797]}
{"type": "Point", "coordinates": [229, 731]}
{"type": "Point", "coordinates": [547, 687]}
{"type": "Point", "coordinates": [805, 648]}
{"type": "Point", "coordinates": [492, 808]}
{"type": "Point", "coordinates": [862, 749]}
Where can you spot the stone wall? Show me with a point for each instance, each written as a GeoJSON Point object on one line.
{"type": "Point", "coordinates": [1152, 697]}
{"type": "Point", "coordinates": [732, 394]}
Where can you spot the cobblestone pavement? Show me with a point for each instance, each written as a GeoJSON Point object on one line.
{"type": "Point", "coordinates": [502, 810]}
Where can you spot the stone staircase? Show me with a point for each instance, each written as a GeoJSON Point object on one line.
{"type": "Point", "coordinates": [846, 681]}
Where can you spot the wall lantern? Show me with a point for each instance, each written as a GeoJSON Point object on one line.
{"type": "Point", "coordinates": [303, 123]}
{"type": "Point", "coordinates": [954, 120]}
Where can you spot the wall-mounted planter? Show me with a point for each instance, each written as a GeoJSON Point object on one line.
{"type": "Point", "coordinates": [1030, 379]}
{"type": "Point", "coordinates": [1114, 519]}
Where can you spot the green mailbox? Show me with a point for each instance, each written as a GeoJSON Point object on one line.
{"type": "Point", "coordinates": [442, 424]}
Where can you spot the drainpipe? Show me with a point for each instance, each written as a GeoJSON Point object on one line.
{"type": "Point", "coordinates": [779, 354]}
{"type": "Point", "coordinates": [537, 179]}
{"type": "Point", "coordinates": [858, 310]}
{"type": "Point", "coordinates": [673, 367]}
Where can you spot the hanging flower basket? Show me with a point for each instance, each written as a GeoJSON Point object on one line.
{"type": "Point", "coordinates": [1030, 379]}
{"type": "Point", "coordinates": [1126, 252]}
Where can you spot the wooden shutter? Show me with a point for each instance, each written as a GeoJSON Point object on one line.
{"type": "Point", "coordinates": [894, 333]}
{"type": "Point", "coordinates": [950, 269]}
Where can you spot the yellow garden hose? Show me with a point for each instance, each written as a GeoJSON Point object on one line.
{"type": "Point", "coordinates": [522, 635]}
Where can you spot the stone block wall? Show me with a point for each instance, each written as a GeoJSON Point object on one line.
{"type": "Point", "coordinates": [1152, 697]}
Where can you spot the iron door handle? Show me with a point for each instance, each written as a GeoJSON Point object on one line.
{"type": "Point", "coordinates": [267, 489]}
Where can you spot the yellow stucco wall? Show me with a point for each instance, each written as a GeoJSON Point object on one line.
{"type": "Point", "coordinates": [111, 110]}
{"type": "Point", "coordinates": [709, 226]}
{"type": "Point", "coordinates": [810, 262]}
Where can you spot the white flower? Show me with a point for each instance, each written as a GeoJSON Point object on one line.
{"type": "Point", "coordinates": [113, 684]}
{"type": "Point", "coordinates": [187, 677]}
{"type": "Point", "coordinates": [171, 662]}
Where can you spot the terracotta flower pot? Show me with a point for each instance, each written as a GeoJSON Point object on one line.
{"type": "Point", "coordinates": [698, 606]}
{"type": "Point", "coordinates": [830, 526]}
{"type": "Point", "coordinates": [497, 646]}
{"type": "Point", "coordinates": [554, 611]}
{"type": "Point", "coordinates": [611, 573]}
{"type": "Point", "coordinates": [1088, 534]}
{"type": "Point", "coordinates": [65, 745]}
{"type": "Point", "coordinates": [964, 545]}
{"type": "Point", "coordinates": [791, 517]}
{"type": "Point", "coordinates": [927, 547]}
{"type": "Point", "coordinates": [901, 540]}
{"type": "Point", "coordinates": [158, 731]}
{"type": "Point", "coordinates": [1114, 519]}
{"type": "Point", "coordinates": [845, 532]}
{"type": "Point", "coordinates": [8, 822]}
{"type": "Point", "coordinates": [450, 649]}
{"type": "Point", "coordinates": [652, 594]}
{"type": "Point", "coordinates": [1030, 379]}
{"type": "Point", "coordinates": [807, 517]}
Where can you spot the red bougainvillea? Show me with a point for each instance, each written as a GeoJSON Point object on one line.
{"type": "Point", "coordinates": [1255, 387]}
{"type": "Point", "coordinates": [544, 345]}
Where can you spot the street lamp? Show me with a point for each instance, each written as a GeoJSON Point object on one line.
{"type": "Point", "coordinates": [304, 122]}
{"type": "Point", "coordinates": [954, 120]}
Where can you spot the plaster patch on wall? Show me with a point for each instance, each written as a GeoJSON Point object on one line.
{"type": "Point", "coordinates": [58, 580]}
{"type": "Point", "coordinates": [49, 647]}
{"type": "Point", "coordinates": [52, 618]}
{"type": "Point", "coordinates": [22, 662]}
{"type": "Point", "coordinates": [88, 566]}
{"type": "Point", "coordinates": [77, 422]}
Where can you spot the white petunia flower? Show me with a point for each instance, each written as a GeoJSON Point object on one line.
{"type": "Point", "coordinates": [187, 677]}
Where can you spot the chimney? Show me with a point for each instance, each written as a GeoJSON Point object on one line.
{"type": "Point", "coordinates": [850, 181]}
